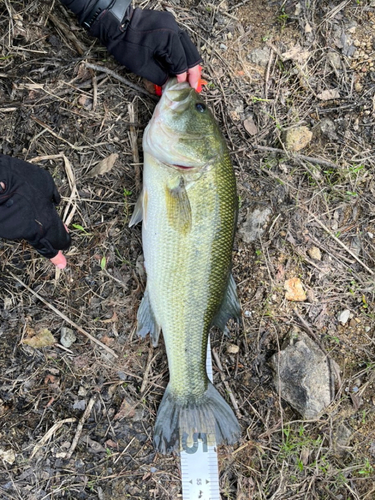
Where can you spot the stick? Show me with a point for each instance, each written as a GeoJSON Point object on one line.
{"type": "Point", "coordinates": [78, 433]}
{"type": "Point", "coordinates": [297, 156]}
{"type": "Point", "coordinates": [49, 434]}
{"type": "Point", "coordinates": [133, 86]}
{"type": "Point", "coordinates": [338, 241]}
{"type": "Point", "coordinates": [65, 318]}
{"type": "Point", "coordinates": [227, 387]}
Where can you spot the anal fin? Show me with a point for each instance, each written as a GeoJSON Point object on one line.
{"type": "Point", "coordinates": [230, 307]}
{"type": "Point", "coordinates": [146, 320]}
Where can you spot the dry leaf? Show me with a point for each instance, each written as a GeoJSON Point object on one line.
{"type": "Point", "coordinates": [296, 53]}
{"type": "Point", "coordinates": [43, 338]}
{"type": "Point", "coordinates": [126, 410]}
{"type": "Point", "coordinates": [250, 126]}
{"type": "Point", "coordinates": [326, 95]}
{"type": "Point", "coordinates": [294, 290]}
{"type": "Point", "coordinates": [8, 456]}
{"type": "Point", "coordinates": [104, 166]}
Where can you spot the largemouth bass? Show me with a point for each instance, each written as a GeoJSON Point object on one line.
{"type": "Point", "coordinates": [189, 209]}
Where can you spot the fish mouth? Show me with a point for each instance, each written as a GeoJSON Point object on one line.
{"type": "Point", "coordinates": [178, 166]}
{"type": "Point", "coordinates": [183, 167]}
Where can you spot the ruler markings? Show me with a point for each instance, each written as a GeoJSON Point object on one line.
{"type": "Point", "coordinates": [199, 470]}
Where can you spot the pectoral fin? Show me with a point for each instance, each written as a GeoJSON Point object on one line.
{"type": "Point", "coordinates": [230, 308]}
{"type": "Point", "coordinates": [140, 209]}
{"type": "Point", "coordinates": [178, 207]}
{"type": "Point", "coordinates": [146, 320]}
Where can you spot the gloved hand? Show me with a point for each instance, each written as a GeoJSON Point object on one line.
{"type": "Point", "coordinates": [27, 198]}
{"type": "Point", "coordinates": [148, 42]}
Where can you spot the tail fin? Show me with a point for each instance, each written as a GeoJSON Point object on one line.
{"type": "Point", "coordinates": [209, 415]}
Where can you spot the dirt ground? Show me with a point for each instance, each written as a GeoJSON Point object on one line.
{"type": "Point", "coordinates": [76, 422]}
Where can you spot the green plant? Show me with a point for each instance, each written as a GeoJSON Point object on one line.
{"type": "Point", "coordinates": [80, 228]}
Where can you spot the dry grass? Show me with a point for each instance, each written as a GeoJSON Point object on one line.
{"type": "Point", "coordinates": [58, 111]}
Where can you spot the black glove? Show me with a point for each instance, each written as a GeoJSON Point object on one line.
{"type": "Point", "coordinates": [147, 42]}
{"type": "Point", "coordinates": [27, 198]}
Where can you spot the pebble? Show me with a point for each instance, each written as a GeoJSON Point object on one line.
{"type": "Point", "coordinates": [294, 291]}
{"type": "Point", "coordinates": [255, 224]}
{"type": "Point", "coordinates": [315, 253]}
{"type": "Point", "coordinates": [232, 348]}
{"type": "Point", "coordinates": [298, 138]}
{"type": "Point", "coordinates": [68, 337]}
{"type": "Point", "coordinates": [344, 316]}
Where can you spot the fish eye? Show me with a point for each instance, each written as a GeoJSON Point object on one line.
{"type": "Point", "coordinates": [200, 107]}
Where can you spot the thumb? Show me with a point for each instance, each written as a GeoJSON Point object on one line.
{"type": "Point", "coordinates": [59, 260]}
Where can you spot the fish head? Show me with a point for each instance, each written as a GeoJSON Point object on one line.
{"type": "Point", "coordinates": [183, 132]}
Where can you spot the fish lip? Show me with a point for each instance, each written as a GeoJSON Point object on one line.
{"type": "Point", "coordinates": [182, 167]}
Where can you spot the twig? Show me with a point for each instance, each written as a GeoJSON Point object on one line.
{"type": "Point", "coordinates": [7, 110]}
{"type": "Point", "coordinates": [227, 387]}
{"type": "Point", "coordinates": [150, 359]}
{"type": "Point", "coordinates": [133, 136]}
{"type": "Point", "coordinates": [65, 318]}
{"type": "Point", "coordinates": [133, 86]}
{"type": "Point", "coordinates": [297, 156]}
{"type": "Point", "coordinates": [78, 433]}
{"type": "Point", "coordinates": [115, 279]}
{"type": "Point", "coordinates": [68, 33]}
{"type": "Point", "coordinates": [50, 433]}
{"type": "Point", "coordinates": [337, 240]}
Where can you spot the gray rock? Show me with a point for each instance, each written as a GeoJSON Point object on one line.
{"type": "Point", "coordinates": [303, 375]}
{"type": "Point", "coordinates": [328, 128]}
{"type": "Point", "coordinates": [344, 316]}
{"type": "Point", "coordinates": [67, 337]}
{"type": "Point", "coordinates": [260, 56]}
{"type": "Point", "coordinates": [341, 439]}
{"type": "Point", "coordinates": [79, 404]}
{"type": "Point", "coordinates": [255, 223]}
{"type": "Point", "coordinates": [335, 60]}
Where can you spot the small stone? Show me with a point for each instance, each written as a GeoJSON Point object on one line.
{"type": "Point", "coordinates": [298, 138]}
{"type": "Point", "coordinates": [344, 317]}
{"type": "Point", "coordinates": [260, 56]}
{"type": "Point", "coordinates": [250, 126]}
{"type": "Point", "coordinates": [315, 253]}
{"type": "Point", "coordinates": [341, 438]}
{"type": "Point", "coordinates": [223, 46]}
{"type": "Point", "coordinates": [80, 404]}
{"type": "Point", "coordinates": [329, 94]}
{"type": "Point", "coordinates": [232, 348]}
{"type": "Point", "coordinates": [335, 60]}
{"type": "Point", "coordinates": [328, 128]}
{"type": "Point", "coordinates": [255, 223]}
{"type": "Point", "coordinates": [294, 290]}
{"type": "Point", "coordinates": [303, 375]}
{"type": "Point", "coordinates": [67, 337]}
{"type": "Point", "coordinates": [82, 392]}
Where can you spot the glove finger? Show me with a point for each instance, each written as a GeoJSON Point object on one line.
{"type": "Point", "coordinates": [191, 52]}
{"type": "Point", "coordinates": [54, 239]}
{"type": "Point", "coordinates": [141, 63]}
{"type": "Point", "coordinates": [56, 198]}
{"type": "Point", "coordinates": [174, 58]}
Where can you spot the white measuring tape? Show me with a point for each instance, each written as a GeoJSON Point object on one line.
{"type": "Point", "coordinates": [199, 465]}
